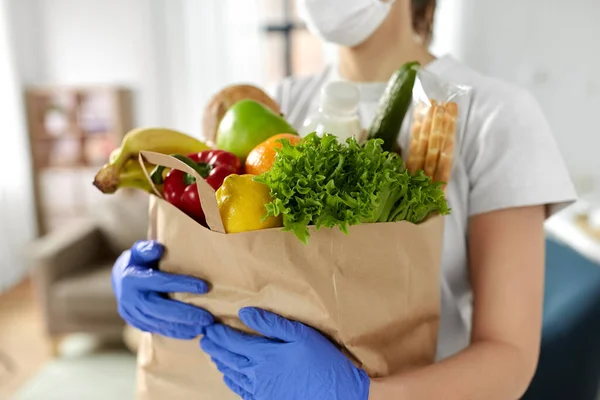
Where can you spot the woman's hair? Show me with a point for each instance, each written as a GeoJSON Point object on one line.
{"type": "Point", "coordinates": [422, 17]}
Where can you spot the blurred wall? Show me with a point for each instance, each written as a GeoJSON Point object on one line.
{"type": "Point", "coordinates": [174, 53]}
{"type": "Point", "coordinates": [17, 223]}
{"type": "Point", "coordinates": [108, 41]}
{"type": "Point", "coordinates": [25, 22]}
{"type": "Point", "coordinates": [206, 45]}
{"type": "Point", "coordinates": [91, 42]}
{"type": "Point", "coordinates": [551, 48]}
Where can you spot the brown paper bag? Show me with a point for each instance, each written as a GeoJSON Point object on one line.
{"type": "Point", "coordinates": [374, 292]}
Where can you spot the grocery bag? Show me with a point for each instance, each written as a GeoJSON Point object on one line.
{"type": "Point", "coordinates": [374, 292]}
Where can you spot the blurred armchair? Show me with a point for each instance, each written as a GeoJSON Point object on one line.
{"type": "Point", "coordinates": [71, 267]}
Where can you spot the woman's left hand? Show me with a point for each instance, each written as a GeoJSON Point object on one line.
{"type": "Point", "coordinates": [292, 361]}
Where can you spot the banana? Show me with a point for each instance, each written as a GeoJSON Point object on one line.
{"type": "Point", "coordinates": [113, 156]}
{"type": "Point", "coordinates": [132, 183]}
{"type": "Point", "coordinates": [160, 140]}
{"type": "Point", "coordinates": [132, 176]}
{"type": "Point", "coordinates": [140, 185]}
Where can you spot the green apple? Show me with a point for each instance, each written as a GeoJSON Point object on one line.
{"type": "Point", "coordinates": [247, 124]}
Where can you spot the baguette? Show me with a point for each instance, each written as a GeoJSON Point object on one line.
{"type": "Point", "coordinates": [436, 138]}
{"type": "Point", "coordinates": [443, 170]}
{"type": "Point", "coordinates": [416, 160]}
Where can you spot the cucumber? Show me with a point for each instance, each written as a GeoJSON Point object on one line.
{"type": "Point", "coordinates": [393, 106]}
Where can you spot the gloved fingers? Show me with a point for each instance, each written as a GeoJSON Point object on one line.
{"type": "Point", "coordinates": [136, 323]}
{"type": "Point", "coordinates": [154, 305]}
{"type": "Point", "coordinates": [143, 326]}
{"type": "Point", "coordinates": [163, 328]}
{"type": "Point", "coordinates": [179, 335]}
{"type": "Point", "coordinates": [176, 334]}
{"type": "Point", "coordinates": [272, 325]}
{"type": "Point", "coordinates": [163, 282]}
{"type": "Point", "coordinates": [237, 342]}
{"type": "Point", "coordinates": [238, 378]}
{"type": "Point", "coordinates": [237, 389]}
{"type": "Point", "coordinates": [122, 261]}
{"type": "Point", "coordinates": [231, 360]}
{"type": "Point", "coordinates": [146, 253]}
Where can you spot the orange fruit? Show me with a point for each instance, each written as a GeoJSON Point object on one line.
{"type": "Point", "coordinates": [262, 157]}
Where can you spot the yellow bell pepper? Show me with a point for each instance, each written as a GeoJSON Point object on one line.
{"type": "Point", "coordinates": [242, 202]}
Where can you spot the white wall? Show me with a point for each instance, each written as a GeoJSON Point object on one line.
{"type": "Point", "coordinates": [27, 32]}
{"type": "Point", "coordinates": [173, 53]}
{"type": "Point", "coordinates": [551, 48]}
{"type": "Point", "coordinates": [208, 45]}
{"type": "Point", "coordinates": [16, 198]}
{"type": "Point", "coordinates": [448, 29]}
{"type": "Point", "coordinates": [108, 41]}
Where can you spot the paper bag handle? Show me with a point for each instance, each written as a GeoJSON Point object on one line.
{"type": "Point", "coordinates": [205, 191]}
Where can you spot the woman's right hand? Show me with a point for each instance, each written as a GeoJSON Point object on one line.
{"type": "Point", "coordinates": [140, 289]}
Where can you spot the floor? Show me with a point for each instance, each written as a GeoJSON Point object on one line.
{"type": "Point", "coordinates": [23, 347]}
{"type": "Point", "coordinates": [91, 375]}
{"type": "Point", "coordinates": [28, 372]}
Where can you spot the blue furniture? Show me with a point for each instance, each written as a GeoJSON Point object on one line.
{"type": "Point", "coordinates": [569, 365]}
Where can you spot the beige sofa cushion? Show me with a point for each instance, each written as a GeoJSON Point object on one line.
{"type": "Point", "coordinates": [87, 294]}
{"type": "Point", "coordinates": [122, 218]}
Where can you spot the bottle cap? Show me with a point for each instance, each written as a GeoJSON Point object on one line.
{"type": "Point", "coordinates": [340, 97]}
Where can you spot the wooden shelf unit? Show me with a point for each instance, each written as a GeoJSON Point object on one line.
{"type": "Point", "coordinates": [72, 131]}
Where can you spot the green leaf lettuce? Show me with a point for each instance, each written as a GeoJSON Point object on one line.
{"type": "Point", "coordinates": [325, 183]}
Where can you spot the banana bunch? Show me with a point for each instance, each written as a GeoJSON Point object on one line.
{"type": "Point", "coordinates": [131, 176]}
{"type": "Point", "coordinates": [123, 168]}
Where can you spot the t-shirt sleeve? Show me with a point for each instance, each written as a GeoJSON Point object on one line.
{"type": "Point", "coordinates": [282, 93]}
{"type": "Point", "coordinates": [514, 160]}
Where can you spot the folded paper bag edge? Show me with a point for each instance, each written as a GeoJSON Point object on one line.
{"type": "Point", "coordinates": [205, 191]}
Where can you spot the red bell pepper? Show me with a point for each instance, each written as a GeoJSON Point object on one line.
{"type": "Point", "coordinates": [180, 188]}
{"type": "Point", "coordinates": [219, 163]}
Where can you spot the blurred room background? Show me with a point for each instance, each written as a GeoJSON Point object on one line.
{"type": "Point", "coordinates": [76, 75]}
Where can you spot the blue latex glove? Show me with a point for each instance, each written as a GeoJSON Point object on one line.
{"type": "Point", "coordinates": [140, 288]}
{"type": "Point", "coordinates": [293, 361]}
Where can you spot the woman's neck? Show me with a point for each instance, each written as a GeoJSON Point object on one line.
{"type": "Point", "coordinates": [375, 63]}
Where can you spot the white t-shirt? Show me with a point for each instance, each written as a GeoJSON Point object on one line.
{"type": "Point", "coordinates": [505, 157]}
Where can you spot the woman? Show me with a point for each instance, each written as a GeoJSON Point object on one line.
{"type": "Point", "coordinates": [508, 177]}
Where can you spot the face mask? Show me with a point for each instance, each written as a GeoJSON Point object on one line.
{"type": "Point", "coordinates": [344, 22]}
